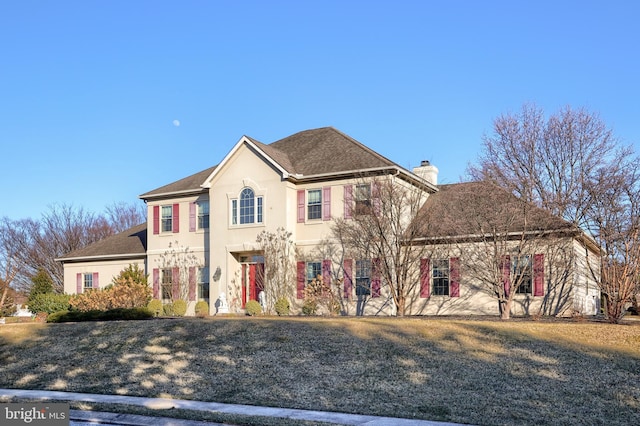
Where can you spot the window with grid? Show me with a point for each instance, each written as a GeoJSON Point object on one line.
{"type": "Point", "coordinates": [167, 218]}
{"type": "Point", "coordinates": [203, 284]}
{"type": "Point", "coordinates": [314, 269]}
{"type": "Point", "coordinates": [203, 215]}
{"type": "Point", "coordinates": [363, 199]}
{"type": "Point", "coordinates": [167, 284]}
{"type": "Point", "coordinates": [440, 274]}
{"type": "Point", "coordinates": [363, 277]}
{"type": "Point", "coordinates": [247, 209]}
{"type": "Point", "coordinates": [314, 204]}
{"type": "Point", "coordinates": [87, 281]}
{"type": "Point", "coordinates": [521, 272]}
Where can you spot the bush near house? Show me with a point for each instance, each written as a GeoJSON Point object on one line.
{"type": "Point", "coordinates": [155, 306]}
{"type": "Point", "coordinates": [117, 314]}
{"type": "Point", "coordinates": [179, 308]}
{"type": "Point", "coordinates": [125, 293]}
{"type": "Point", "coordinates": [49, 303]}
{"type": "Point", "coordinates": [253, 308]}
{"type": "Point", "coordinates": [282, 306]}
{"type": "Point", "coordinates": [202, 308]}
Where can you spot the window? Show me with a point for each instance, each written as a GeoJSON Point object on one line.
{"type": "Point", "coordinates": [247, 209]}
{"type": "Point", "coordinates": [314, 204]}
{"type": "Point", "coordinates": [521, 273]}
{"type": "Point", "coordinates": [363, 277]}
{"type": "Point", "coordinates": [314, 269]}
{"type": "Point", "coordinates": [363, 199]}
{"type": "Point", "coordinates": [167, 219]}
{"type": "Point", "coordinates": [87, 282]}
{"type": "Point", "coordinates": [203, 284]}
{"type": "Point", "coordinates": [203, 215]}
{"type": "Point", "coordinates": [440, 274]}
{"type": "Point", "coordinates": [167, 282]}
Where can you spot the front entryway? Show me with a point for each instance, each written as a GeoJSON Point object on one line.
{"type": "Point", "coordinates": [252, 278]}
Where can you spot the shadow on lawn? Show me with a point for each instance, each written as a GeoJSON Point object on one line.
{"type": "Point", "coordinates": [463, 371]}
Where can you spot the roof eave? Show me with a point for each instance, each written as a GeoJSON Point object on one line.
{"type": "Point", "coordinates": [101, 257]}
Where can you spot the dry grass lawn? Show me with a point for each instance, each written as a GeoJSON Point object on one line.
{"type": "Point", "coordinates": [468, 371]}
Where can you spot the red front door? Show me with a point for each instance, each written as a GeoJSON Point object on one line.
{"type": "Point", "coordinates": [252, 281]}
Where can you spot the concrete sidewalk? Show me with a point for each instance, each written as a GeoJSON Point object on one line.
{"type": "Point", "coordinates": [82, 417]}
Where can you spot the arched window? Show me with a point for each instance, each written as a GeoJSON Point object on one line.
{"type": "Point", "coordinates": [247, 209]}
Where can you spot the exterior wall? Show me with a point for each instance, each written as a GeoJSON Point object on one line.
{"type": "Point", "coordinates": [586, 300]}
{"type": "Point", "coordinates": [106, 270]}
{"type": "Point", "coordinates": [229, 244]}
{"type": "Point", "coordinates": [195, 242]}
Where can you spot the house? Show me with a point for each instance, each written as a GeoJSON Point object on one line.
{"type": "Point", "coordinates": [199, 242]}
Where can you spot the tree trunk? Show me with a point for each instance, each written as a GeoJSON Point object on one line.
{"type": "Point", "coordinates": [5, 291]}
{"type": "Point", "coordinates": [400, 306]}
{"type": "Point", "coordinates": [505, 309]}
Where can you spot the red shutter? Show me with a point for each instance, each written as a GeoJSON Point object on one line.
{"type": "Point", "coordinates": [348, 278]}
{"type": "Point", "coordinates": [192, 216]}
{"type": "Point", "coordinates": [192, 283]}
{"type": "Point", "coordinates": [156, 283]}
{"type": "Point", "coordinates": [506, 274]}
{"type": "Point", "coordinates": [425, 278]}
{"type": "Point", "coordinates": [78, 283]}
{"type": "Point", "coordinates": [454, 277]}
{"type": "Point", "coordinates": [301, 278]}
{"type": "Point", "coordinates": [375, 279]}
{"type": "Point", "coordinates": [175, 283]}
{"type": "Point", "coordinates": [94, 282]}
{"type": "Point", "coordinates": [348, 201]}
{"type": "Point", "coordinates": [376, 200]}
{"type": "Point", "coordinates": [176, 218]}
{"type": "Point", "coordinates": [326, 203]}
{"type": "Point", "coordinates": [538, 275]}
{"type": "Point", "coordinates": [301, 206]}
{"type": "Point", "coordinates": [156, 219]}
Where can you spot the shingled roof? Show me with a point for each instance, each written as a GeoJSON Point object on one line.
{"type": "Point", "coordinates": [323, 151]}
{"type": "Point", "coordinates": [465, 209]}
{"type": "Point", "coordinates": [130, 243]}
{"type": "Point", "coordinates": [188, 184]}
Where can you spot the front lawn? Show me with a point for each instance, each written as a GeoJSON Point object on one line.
{"type": "Point", "coordinates": [468, 371]}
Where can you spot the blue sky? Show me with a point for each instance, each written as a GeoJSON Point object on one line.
{"type": "Point", "coordinates": [92, 92]}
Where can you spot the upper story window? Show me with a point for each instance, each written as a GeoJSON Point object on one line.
{"type": "Point", "coordinates": [203, 215]}
{"type": "Point", "coordinates": [247, 208]}
{"type": "Point", "coordinates": [363, 199]}
{"type": "Point", "coordinates": [314, 204]}
{"type": "Point", "coordinates": [167, 219]}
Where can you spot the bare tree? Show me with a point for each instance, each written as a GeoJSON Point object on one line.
{"type": "Point", "coordinates": [549, 163]}
{"type": "Point", "coordinates": [178, 261]}
{"type": "Point", "coordinates": [573, 166]}
{"type": "Point", "coordinates": [279, 265]}
{"type": "Point", "coordinates": [382, 228]}
{"type": "Point", "coordinates": [615, 224]}
{"type": "Point", "coordinates": [9, 266]}
{"type": "Point", "coordinates": [503, 241]}
{"type": "Point", "coordinates": [122, 216]}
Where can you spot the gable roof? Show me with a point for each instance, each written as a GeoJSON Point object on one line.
{"type": "Point", "coordinates": [323, 151]}
{"type": "Point", "coordinates": [475, 208]}
{"type": "Point", "coordinates": [190, 184]}
{"type": "Point", "coordinates": [131, 243]}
